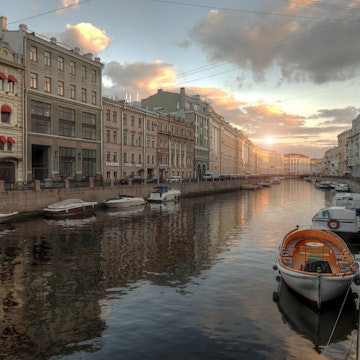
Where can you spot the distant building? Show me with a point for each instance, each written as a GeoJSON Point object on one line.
{"type": "Point", "coordinates": [296, 164]}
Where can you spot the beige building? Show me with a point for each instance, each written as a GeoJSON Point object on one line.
{"type": "Point", "coordinates": [129, 144]}
{"type": "Point", "coordinates": [12, 165]}
{"type": "Point", "coordinates": [141, 142]}
{"type": "Point", "coordinates": [62, 107]}
{"type": "Point", "coordinates": [175, 147]}
{"type": "Point", "coordinates": [193, 109]}
{"type": "Point", "coordinates": [296, 164]}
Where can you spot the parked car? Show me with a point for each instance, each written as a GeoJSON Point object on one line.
{"type": "Point", "coordinates": [174, 179]}
{"type": "Point", "coordinates": [133, 179]}
{"type": "Point", "coordinates": [124, 181]}
{"type": "Point", "coordinates": [136, 179]}
{"type": "Point", "coordinates": [152, 179]}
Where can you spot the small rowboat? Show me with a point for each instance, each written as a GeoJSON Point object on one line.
{"type": "Point", "coordinates": [317, 264]}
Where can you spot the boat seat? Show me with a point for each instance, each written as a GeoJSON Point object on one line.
{"type": "Point", "coordinates": [315, 264]}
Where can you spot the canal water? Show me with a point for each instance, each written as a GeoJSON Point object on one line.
{"type": "Point", "coordinates": [189, 280]}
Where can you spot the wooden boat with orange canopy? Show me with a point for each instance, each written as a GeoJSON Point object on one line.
{"type": "Point", "coordinates": [317, 264]}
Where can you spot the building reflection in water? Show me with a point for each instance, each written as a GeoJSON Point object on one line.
{"type": "Point", "coordinates": [54, 276]}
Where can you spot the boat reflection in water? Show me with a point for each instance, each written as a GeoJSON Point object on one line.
{"type": "Point", "coordinates": [334, 323]}
{"type": "Point", "coordinates": [68, 222]}
{"type": "Point", "coordinates": [125, 212]}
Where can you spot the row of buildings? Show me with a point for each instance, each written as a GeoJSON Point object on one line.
{"type": "Point", "coordinates": [344, 159]}
{"type": "Point", "coordinates": [55, 123]}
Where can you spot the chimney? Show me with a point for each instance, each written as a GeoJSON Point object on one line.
{"type": "Point", "coordinates": [3, 22]}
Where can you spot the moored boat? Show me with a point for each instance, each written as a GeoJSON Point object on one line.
{"type": "Point", "coordinates": [342, 187]}
{"type": "Point", "coordinates": [347, 199]}
{"type": "Point", "coordinates": [123, 201]}
{"type": "Point", "coordinates": [69, 207]}
{"type": "Point", "coordinates": [163, 194]}
{"type": "Point", "coordinates": [5, 217]}
{"type": "Point", "coordinates": [339, 219]}
{"type": "Point", "coordinates": [317, 264]}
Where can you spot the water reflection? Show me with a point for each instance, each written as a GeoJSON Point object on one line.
{"type": "Point", "coordinates": [321, 328]}
{"type": "Point", "coordinates": [139, 282]}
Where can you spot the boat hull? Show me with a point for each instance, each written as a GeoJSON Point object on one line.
{"type": "Point", "coordinates": [124, 202]}
{"type": "Point", "coordinates": [316, 288]}
{"type": "Point", "coordinates": [163, 194]}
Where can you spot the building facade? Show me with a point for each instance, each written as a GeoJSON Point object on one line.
{"type": "Point", "coordinates": [12, 164]}
{"type": "Point", "coordinates": [193, 109]}
{"type": "Point", "coordinates": [62, 108]}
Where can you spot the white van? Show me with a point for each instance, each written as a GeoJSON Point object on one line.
{"type": "Point", "coordinates": [175, 178]}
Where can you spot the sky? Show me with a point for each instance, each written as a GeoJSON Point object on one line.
{"type": "Point", "coordinates": [285, 72]}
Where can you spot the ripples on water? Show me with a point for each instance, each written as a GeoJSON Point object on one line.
{"type": "Point", "coordinates": [187, 280]}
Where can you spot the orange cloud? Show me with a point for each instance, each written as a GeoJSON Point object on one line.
{"type": "Point", "coordinates": [87, 37]}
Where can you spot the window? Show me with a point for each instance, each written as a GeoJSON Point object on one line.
{"type": "Point", "coordinates": [88, 162]}
{"type": "Point", "coordinates": [108, 156]}
{"type": "Point", "coordinates": [124, 119]}
{"type": "Point", "coordinates": [107, 136]}
{"type": "Point", "coordinates": [125, 138]}
{"type": "Point", "coordinates": [125, 157]}
{"type": "Point", "coordinates": [61, 88]}
{"type": "Point", "coordinates": [115, 116]}
{"type": "Point", "coordinates": [88, 126]}
{"type": "Point", "coordinates": [33, 80]}
{"type": "Point", "coordinates": [33, 53]}
{"type": "Point", "coordinates": [72, 68]}
{"type": "Point", "coordinates": [115, 157]}
{"type": "Point", "coordinates": [83, 72]}
{"type": "Point", "coordinates": [107, 115]}
{"type": "Point", "coordinates": [83, 95]}
{"type": "Point", "coordinates": [93, 97]}
{"type": "Point", "coordinates": [132, 139]}
{"type": "Point", "coordinates": [67, 161]}
{"type": "Point", "coordinates": [93, 76]}
{"type": "Point", "coordinates": [47, 58]}
{"type": "Point", "coordinates": [66, 122]}
{"type": "Point", "coordinates": [5, 116]}
{"type": "Point", "coordinates": [40, 117]}
{"type": "Point", "coordinates": [47, 84]}
{"type": "Point", "coordinates": [72, 91]}
{"type": "Point", "coordinates": [132, 120]}
{"type": "Point", "coordinates": [140, 122]}
{"type": "Point", "coordinates": [60, 63]}
{"type": "Point", "coordinates": [115, 137]}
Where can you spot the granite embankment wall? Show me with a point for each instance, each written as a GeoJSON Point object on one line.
{"type": "Point", "coordinates": [34, 200]}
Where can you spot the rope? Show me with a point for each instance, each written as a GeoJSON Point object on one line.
{"type": "Point", "coordinates": [337, 319]}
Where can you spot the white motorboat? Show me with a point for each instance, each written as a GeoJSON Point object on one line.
{"type": "Point", "coordinates": [339, 219]}
{"type": "Point", "coordinates": [324, 185]}
{"type": "Point", "coordinates": [5, 217]}
{"type": "Point", "coordinates": [316, 264]}
{"type": "Point", "coordinates": [69, 207]}
{"type": "Point", "coordinates": [163, 194]}
{"type": "Point", "coordinates": [123, 201]}
{"type": "Point", "coordinates": [343, 217]}
{"type": "Point", "coordinates": [349, 200]}
{"type": "Point", "coordinates": [342, 187]}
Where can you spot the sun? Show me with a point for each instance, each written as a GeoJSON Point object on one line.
{"type": "Point", "coordinates": [269, 140]}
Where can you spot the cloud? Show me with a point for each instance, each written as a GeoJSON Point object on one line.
{"type": "Point", "coordinates": [137, 77]}
{"type": "Point", "coordinates": [87, 37]}
{"type": "Point", "coordinates": [305, 43]}
{"type": "Point", "coordinates": [311, 135]}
